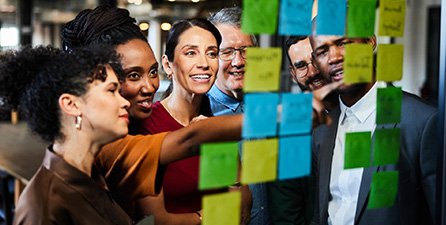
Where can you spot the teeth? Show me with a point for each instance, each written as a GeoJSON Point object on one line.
{"type": "Point", "coordinates": [145, 103]}
{"type": "Point", "coordinates": [317, 83]}
{"type": "Point", "coordinates": [238, 74]}
{"type": "Point", "coordinates": [200, 76]}
{"type": "Point", "coordinates": [339, 73]}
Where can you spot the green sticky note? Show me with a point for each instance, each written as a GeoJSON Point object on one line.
{"type": "Point", "coordinates": [383, 189]}
{"type": "Point", "coordinates": [221, 209]}
{"type": "Point", "coordinates": [259, 160]}
{"type": "Point", "coordinates": [358, 63]}
{"type": "Point", "coordinates": [262, 69]}
{"type": "Point", "coordinates": [358, 147]}
{"type": "Point", "coordinates": [388, 105]}
{"type": "Point", "coordinates": [218, 165]}
{"type": "Point", "coordinates": [361, 18]}
{"type": "Point", "coordinates": [391, 17]}
{"type": "Point", "coordinates": [260, 16]}
{"type": "Point", "coordinates": [386, 147]}
{"type": "Point", "coordinates": [389, 62]}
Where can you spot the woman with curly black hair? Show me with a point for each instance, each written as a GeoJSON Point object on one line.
{"type": "Point", "coordinates": [73, 102]}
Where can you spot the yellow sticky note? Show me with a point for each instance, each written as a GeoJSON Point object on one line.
{"type": "Point", "coordinates": [221, 209]}
{"type": "Point", "coordinates": [389, 62]}
{"type": "Point", "coordinates": [358, 63]}
{"type": "Point", "coordinates": [259, 160]}
{"type": "Point", "coordinates": [262, 69]}
{"type": "Point", "coordinates": [391, 17]}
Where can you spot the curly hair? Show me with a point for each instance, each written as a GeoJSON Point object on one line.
{"type": "Point", "coordinates": [33, 79]}
{"type": "Point", "coordinates": [102, 25]}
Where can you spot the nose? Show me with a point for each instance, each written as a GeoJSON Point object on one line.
{"type": "Point", "coordinates": [125, 104]}
{"type": "Point", "coordinates": [312, 70]}
{"type": "Point", "coordinates": [203, 62]}
{"type": "Point", "coordinates": [238, 61]}
{"type": "Point", "coordinates": [148, 86]}
{"type": "Point", "coordinates": [336, 55]}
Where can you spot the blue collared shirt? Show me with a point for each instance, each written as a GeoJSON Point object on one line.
{"type": "Point", "coordinates": [222, 104]}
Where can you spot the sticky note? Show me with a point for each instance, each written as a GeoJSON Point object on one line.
{"type": "Point", "coordinates": [259, 16]}
{"type": "Point", "coordinates": [259, 160]}
{"type": "Point", "coordinates": [358, 147]}
{"type": "Point", "coordinates": [389, 62]}
{"type": "Point", "coordinates": [391, 17]}
{"type": "Point", "coordinates": [361, 18]}
{"type": "Point", "coordinates": [358, 63]}
{"type": "Point", "coordinates": [295, 17]}
{"type": "Point", "coordinates": [296, 116]}
{"type": "Point", "coordinates": [262, 69]}
{"type": "Point", "coordinates": [260, 115]}
{"type": "Point", "coordinates": [383, 190]}
{"type": "Point", "coordinates": [222, 209]}
{"type": "Point", "coordinates": [386, 147]}
{"type": "Point", "coordinates": [388, 105]}
{"type": "Point", "coordinates": [294, 157]}
{"type": "Point", "coordinates": [218, 165]}
{"type": "Point", "coordinates": [331, 17]}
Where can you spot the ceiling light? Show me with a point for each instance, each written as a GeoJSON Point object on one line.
{"type": "Point", "coordinates": [195, 1]}
{"type": "Point", "coordinates": [144, 26]}
{"type": "Point", "coordinates": [165, 26]}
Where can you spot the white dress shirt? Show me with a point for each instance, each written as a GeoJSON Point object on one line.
{"type": "Point", "coordinates": [345, 184]}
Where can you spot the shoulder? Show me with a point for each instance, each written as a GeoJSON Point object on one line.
{"type": "Point", "coordinates": [416, 109]}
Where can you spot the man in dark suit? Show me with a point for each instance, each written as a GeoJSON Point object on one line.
{"type": "Point", "coordinates": [342, 194]}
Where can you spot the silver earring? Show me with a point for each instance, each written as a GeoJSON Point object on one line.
{"type": "Point", "coordinates": [78, 122]}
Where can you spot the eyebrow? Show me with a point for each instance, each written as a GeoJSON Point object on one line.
{"type": "Point", "coordinates": [299, 62]}
{"type": "Point", "coordinates": [212, 47]}
{"type": "Point", "coordinates": [132, 68]}
{"type": "Point", "coordinates": [189, 46]}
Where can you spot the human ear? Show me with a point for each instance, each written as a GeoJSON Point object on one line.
{"type": "Point", "coordinates": [69, 104]}
{"type": "Point", "coordinates": [293, 73]}
{"type": "Point", "coordinates": [167, 67]}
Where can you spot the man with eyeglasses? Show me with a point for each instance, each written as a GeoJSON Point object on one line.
{"type": "Point", "coordinates": [226, 96]}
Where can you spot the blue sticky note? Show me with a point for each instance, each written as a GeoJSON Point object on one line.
{"type": "Point", "coordinates": [331, 17]}
{"type": "Point", "coordinates": [295, 17]}
{"type": "Point", "coordinates": [260, 115]}
{"type": "Point", "coordinates": [296, 114]}
{"type": "Point", "coordinates": [294, 157]}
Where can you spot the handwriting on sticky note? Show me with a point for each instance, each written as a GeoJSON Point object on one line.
{"type": "Point", "coordinates": [294, 157]}
{"type": "Point", "coordinates": [222, 209]}
{"type": "Point", "coordinates": [295, 17]}
{"type": "Point", "coordinates": [358, 148]}
{"type": "Point", "coordinates": [260, 16]}
{"type": "Point", "coordinates": [383, 189]}
{"type": "Point", "coordinates": [391, 17]}
{"type": "Point", "coordinates": [218, 165]}
{"type": "Point", "coordinates": [361, 18]}
{"type": "Point", "coordinates": [262, 69]}
{"type": "Point", "coordinates": [388, 105]}
{"type": "Point", "coordinates": [260, 115]}
{"type": "Point", "coordinates": [259, 160]}
{"type": "Point", "coordinates": [386, 147]}
{"type": "Point", "coordinates": [389, 62]}
{"type": "Point", "coordinates": [331, 17]}
{"type": "Point", "coordinates": [296, 116]}
{"type": "Point", "coordinates": [358, 63]}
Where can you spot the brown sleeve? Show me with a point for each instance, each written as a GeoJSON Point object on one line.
{"type": "Point", "coordinates": [131, 167]}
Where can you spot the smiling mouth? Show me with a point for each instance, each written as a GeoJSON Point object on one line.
{"type": "Point", "coordinates": [147, 104]}
{"type": "Point", "coordinates": [338, 75]}
{"type": "Point", "coordinates": [237, 74]}
{"type": "Point", "coordinates": [200, 77]}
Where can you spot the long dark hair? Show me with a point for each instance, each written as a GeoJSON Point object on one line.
{"type": "Point", "coordinates": [33, 79]}
{"type": "Point", "coordinates": [175, 32]}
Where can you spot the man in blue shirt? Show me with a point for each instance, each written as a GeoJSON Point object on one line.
{"type": "Point", "coordinates": [226, 96]}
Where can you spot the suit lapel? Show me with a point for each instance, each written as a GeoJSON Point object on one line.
{"type": "Point", "coordinates": [326, 156]}
{"type": "Point", "coordinates": [366, 180]}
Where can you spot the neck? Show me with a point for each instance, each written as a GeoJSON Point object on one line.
{"type": "Point", "coordinates": [351, 97]}
{"type": "Point", "coordinates": [77, 151]}
{"type": "Point", "coordinates": [237, 94]}
{"type": "Point", "coordinates": [183, 107]}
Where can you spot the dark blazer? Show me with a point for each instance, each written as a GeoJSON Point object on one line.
{"type": "Point", "coordinates": [415, 200]}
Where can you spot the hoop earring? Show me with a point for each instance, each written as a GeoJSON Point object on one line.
{"type": "Point", "coordinates": [78, 122]}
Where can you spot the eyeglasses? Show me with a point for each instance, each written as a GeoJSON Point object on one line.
{"type": "Point", "coordinates": [227, 54]}
{"type": "Point", "coordinates": [302, 68]}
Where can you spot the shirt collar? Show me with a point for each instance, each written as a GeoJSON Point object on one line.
{"type": "Point", "coordinates": [363, 108]}
{"type": "Point", "coordinates": [224, 99]}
